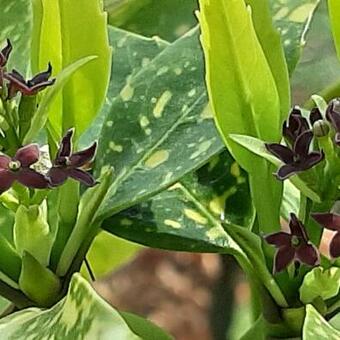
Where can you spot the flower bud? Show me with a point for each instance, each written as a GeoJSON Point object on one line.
{"type": "Point", "coordinates": [320, 128]}
{"type": "Point", "coordinates": [32, 232]}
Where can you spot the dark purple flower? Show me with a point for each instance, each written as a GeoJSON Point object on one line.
{"type": "Point", "coordinates": [4, 55]}
{"type": "Point", "coordinates": [68, 164]}
{"type": "Point", "coordinates": [333, 116]}
{"type": "Point", "coordinates": [17, 82]}
{"type": "Point", "coordinates": [293, 247]}
{"type": "Point", "coordinates": [332, 222]}
{"type": "Point", "coordinates": [18, 169]}
{"type": "Point", "coordinates": [295, 125]}
{"type": "Point", "coordinates": [298, 158]}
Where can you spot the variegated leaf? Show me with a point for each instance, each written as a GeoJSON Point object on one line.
{"type": "Point", "coordinates": [316, 327]}
{"type": "Point", "coordinates": [82, 314]}
{"type": "Point", "coordinates": [130, 53]}
{"type": "Point", "coordinates": [188, 214]}
{"type": "Point", "coordinates": [161, 109]}
{"type": "Point", "coordinates": [15, 24]}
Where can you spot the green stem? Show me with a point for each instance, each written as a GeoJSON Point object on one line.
{"type": "Point", "coordinates": [16, 296]}
{"type": "Point", "coordinates": [333, 308]}
{"type": "Point", "coordinates": [328, 93]}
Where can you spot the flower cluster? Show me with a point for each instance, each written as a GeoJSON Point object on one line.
{"type": "Point", "coordinates": [16, 82]}
{"type": "Point", "coordinates": [66, 164]}
{"type": "Point", "coordinates": [297, 156]}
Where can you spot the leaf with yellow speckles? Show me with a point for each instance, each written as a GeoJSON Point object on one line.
{"type": "Point", "coordinates": [82, 314]}
{"type": "Point", "coordinates": [187, 216]}
{"type": "Point", "coordinates": [131, 53]}
{"type": "Point", "coordinates": [14, 12]}
{"type": "Point", "coordinates": [315, 327]}
{"type": "Point", "coordinates": [183, 121]}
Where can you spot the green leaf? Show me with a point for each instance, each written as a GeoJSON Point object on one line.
{"type": "Point", "coordinates": [40, 117]}
{"type": "Point", "coordinates": [143, 328]}
{"type": "Point", "coordinates": [15, 24]}
{"type": "Point", "coordinates": [108, 253]}
{"type": "Point", "coordinates": [239, 78]}
{"type": "Point", "coordinates": [316, 327]}
{"type": "Point", "coordinates": [188, 214]}
{"type": "Point", "coordinates": [81, 314]}
{"type": "Point", "coordinates": [293, 19]}
{"type": "Point", "coordinates": [319, 282]}
{"type": "Point", "coordinates": [243, 92]}
{"type": "Point", "coordinates": [46, 292]}
{"type": "Point", "coordinates": [64, 32]}
{"type": "Point", "coordinates": [123, 132]}
{"type": "Point", "coordinates": [167, 19]}
{"type": "Point", "coordinates": [132, 52]}
{"type": "Point", "coordinates": [334, 12]}
{"type": "Point", "coordinates": [38, 243]}
{"type": "Point", "coordinates": [161, 108]}
{"type": "Point", "coordinates": [270, 40]}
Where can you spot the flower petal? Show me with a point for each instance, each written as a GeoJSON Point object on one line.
{"type": "Point", "coordinates": [297, 228]}
{"type": "Point", "coordinates": [286, 171]}
{"type": "Point", "coordinates": [333, 113]}
{"type": "Point", "coordinates": [302, 143]}
{"type": "Point", "coordinates": [65, 147]}
{"type": "Point", "coordinates": [315, 115]}
{"type": "Point", "coordinates": [4, 161]}
{"type": "Point", "coordinates": [308, 254]}
{"type": "Point", "coordinates": [279, 239]}
{"type": "Point", "coordinates": [4, 53]}
{"type": "Point", "coordinates": [32, 179]}
{"type": "Point", "coordinates": [82, 177]}
{"type": "Point", "coordinates": [283, 257]}
{"type": "Point", "coordinates": [334, 247]}
{"type": "Point", "coordinates": [57, 176]}
{"type": "Point", "coordinates": [312, 159]}
{"type": "Point", "coordinates": [6, 180]}
{"type": "Point", "coordinates": [285, 154]}
{"type": "Point", "coordinates": [28, 155]}
{"type": "Point", "coordinates": [80, 158]}
{"type": "Point", "coordinates": [328, 220]}
{"type": "Point", "coordinates": [41, 77]}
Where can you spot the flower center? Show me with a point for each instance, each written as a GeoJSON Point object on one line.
{"type": "Point", "coordinates": [14, 165]}
{"type": "Point", "coordinates": [295, 241]}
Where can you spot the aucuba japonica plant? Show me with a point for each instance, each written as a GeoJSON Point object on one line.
{"type": "Point", "coordinates": [128, 146]}
{"type": "Point", "coordinates": [298, 146]}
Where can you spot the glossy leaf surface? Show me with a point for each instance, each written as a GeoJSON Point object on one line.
{"type": "Point", "coordinates": [82, 314]}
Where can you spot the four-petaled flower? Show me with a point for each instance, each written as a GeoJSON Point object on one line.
{"type": "Point", "coordinates": [293, 247]}
{"type": "Point", "coordinates": [68, 164]}
{"type": "Point", "coordinates": [333, 116]}
{"type": "Point", "coordinates": [17, 82]}
{"type": "Point", "coordinates": [18, 169]}
{"type": "Point", "coordinates": [298, 158]}
{"type": "Point", "coordinates": [332, 222]}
